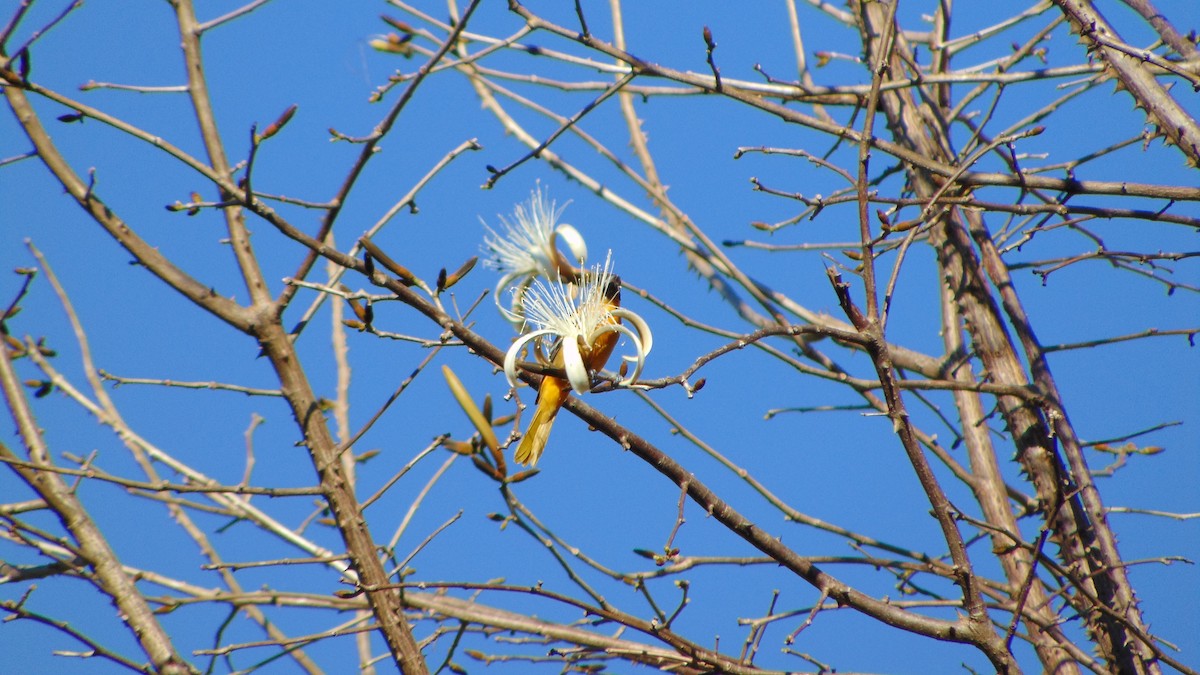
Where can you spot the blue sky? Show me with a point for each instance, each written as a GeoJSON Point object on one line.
{"type": "Point", "coordinates": [839, 466]}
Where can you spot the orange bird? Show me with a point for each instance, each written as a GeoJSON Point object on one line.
{"type": "Point", "coordinates": [595, 345]}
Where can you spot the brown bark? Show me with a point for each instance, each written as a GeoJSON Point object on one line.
{"type": "Point", "coordinates": [1097, 570]}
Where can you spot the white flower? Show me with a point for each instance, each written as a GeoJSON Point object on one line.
{"type": "Point", "coordinates": [578, 326]}
{"type": "Point", "coordinates": [529, 248]}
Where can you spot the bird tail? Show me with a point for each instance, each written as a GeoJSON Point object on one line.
{"type": "Point", "coordinates": [550, 398]}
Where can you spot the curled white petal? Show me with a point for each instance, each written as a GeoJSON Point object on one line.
{"type": "Point", "coordinates": [574, 241]}
{"type": "Point", "coordinates": [504, 284]}
{"type": "Point", "coordinates": [517, 287]}
{"type": "Point", "coordinates": [577, 372]}
{"type": "Point", "coordinates": [639, 360]}
{"type": "Point", "coordinates": [510, 357]}
{"type": "Point", "coordinates": [539, 349]}
{"type": "Point", "coordinates": [643, 328]}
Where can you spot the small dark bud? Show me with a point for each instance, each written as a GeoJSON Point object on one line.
{"type": "Point", "coordinates": [397, 24]}
{"type": "Point", "coordinates": [23, 65]}
{"type": "Point", "coordinates": [523, 475]}
{"type": "Point", "coordinates": [460, 273]}
{"type": "Point", "coordinates": [278, 123]}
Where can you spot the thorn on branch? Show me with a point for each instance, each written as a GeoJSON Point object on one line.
{"type": "Point", "coordinates": [842, 289]}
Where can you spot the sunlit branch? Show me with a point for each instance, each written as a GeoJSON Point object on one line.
{"type": "Point", "coordinates": [118, 380]}
{"type": "Point", "coordinates": [93, 473]}
{"type": "Point", "coordinates": [137, 88]}
{"type": "Point", "coordinates": [230, 16]}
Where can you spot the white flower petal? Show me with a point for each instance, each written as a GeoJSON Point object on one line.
{"type": "Point", "coordinates": [516, 315]}
{"type": "Point", "coordinates": [638, 365]}
{"type": "Point", "coordinates": [574, 241]}
{"type": "Point", "coordinates": [638, 360]}
{"type": "Point", "coordinates": [510, 357]}
{"type": "Point", "coordinates": [540, 353]}
{"type": "Point", "coordinates": [643, 328]}
{"type": "Point", "coordinates": [577, 373]}
{"type": "Point", "coordinates": [504, 284]}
